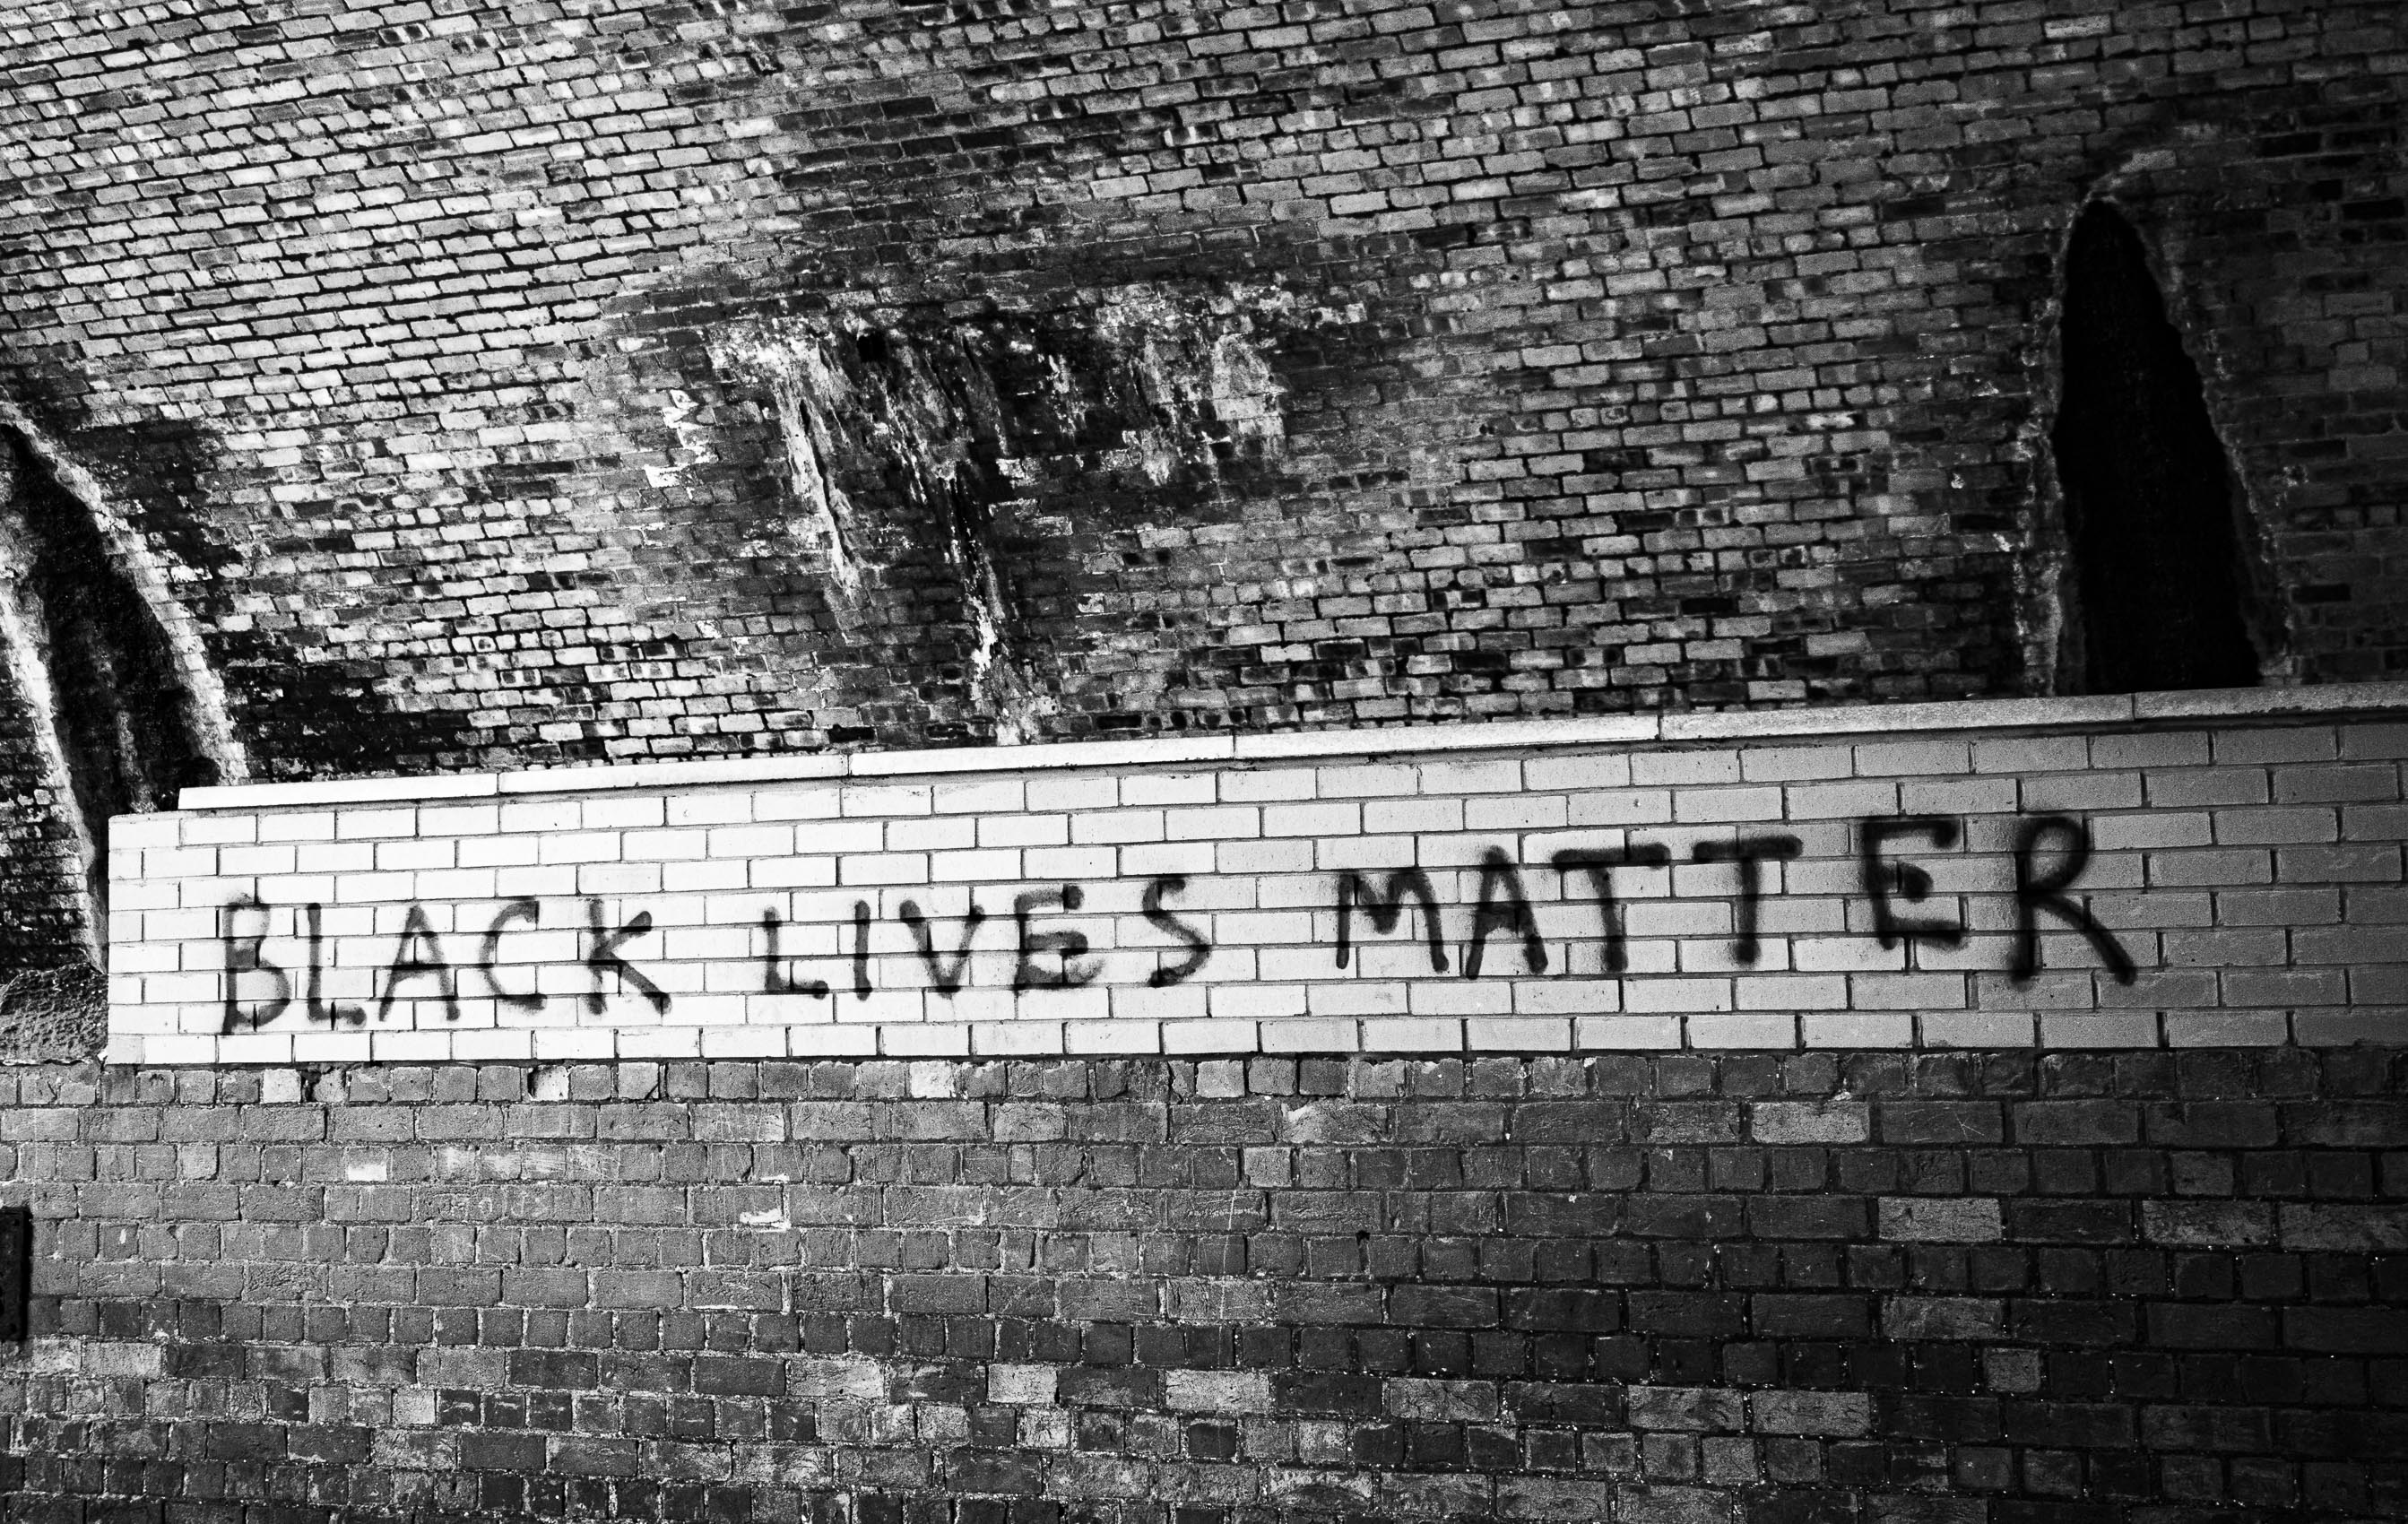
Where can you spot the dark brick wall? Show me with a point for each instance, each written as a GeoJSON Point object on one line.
{"type": "Point", "coordinates": [40, 871]}
{"type": "Point", "coordinates": [549, 382]}
{"type": "Point", "coordinates": [1979, 1289]}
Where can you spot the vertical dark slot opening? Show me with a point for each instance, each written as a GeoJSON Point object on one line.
{"type": "Point", "coordinates": [123, 720]}
{"type": "Point", "coordinates": [2148, 491]}
{"type": "Point", "coordinates": [16, 1273]}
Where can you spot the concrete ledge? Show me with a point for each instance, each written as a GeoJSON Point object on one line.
{"type": "Point", "coordinates": [1736, 726]}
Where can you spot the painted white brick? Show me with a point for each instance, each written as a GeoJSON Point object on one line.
{"type": "Point", "coordinates": [836, 1040]}
{"type": "Point", "coordinates": [2227, 1028]}
{"type": "Point", "coordinates": [978, 796]}
{"type": "Point", "coordinates": [606, 812]}
{"type": "Point", "coordinates": [1517, 1034]}
{"type": "Point", "coordinates": [179, 862]}
{"type": "Point", "coordinates": [1450, 996]}
{"type": "Point", "coordinates": [928, 1040]}
{"type": "Point", "coordinates": [1856, 1028]}
{"type": "Point", "coordinates": [1920, 758]}
{"type": "Point", "coordinates": [701, 877]}
{"type": "Point", "coordinates": [1358, 997]}
{"type": "Point", "coordinates": [1191, 860]}
{"type": "Point", "coordinates": [220, 830]}
{"type": "Point", "coordinates": [1070, 793]}
{"type": "Point", "coordinates": [578, 847]}
{"type": "Point", "coordinates": [1248, 785]}
{"type": "Point", "coordinates": [1223, 1036]}
{"type": "Point", "coordinates": [1977, 1030]}
{"type": "Point", "coordinates": [930, 834]}
{"type": "Point", "coordinates": [1705, 805]}
{"type": "Point", "coordinates": [1496, 777]}
{"type": "Point", "coordinates": [711, 807]}
{"type": "Point", "coordinates": [1251, 1001]}
{"type": "Point", "coordinates": [399, 1047]}
{"type": "Point", "coordinates": [1505, 814]}
{"type": "Point", "coordinates": [1792, 764]}
{"type": "Point", "coordinates": [411, 854]}
{"type": "Point", "coordinates": [664, 845]}
{"type": "Point", "coordinates": [1321, 818]}
{"type": "Point", "coordinates": [1016, 1038]}
{"type": "Point", "coordinates": [337, 1047]}
{"type": "Point", "coordinates": [822, 803]}
{"type": "Point", "coordinates": [2106, 1030]}
{"type": "Point", "coordinates": [179, 1050]}
{"type": "Point", "coordinates": [1395, 1034]}
{"type": "Point", "coordinates": [1380, 781]}
{"type": "Point", "coordinates": [1066, 865]}
{"type": "Point", "coordinates": [1621, 807]}
{"type": "Point", "coordinates": [986, 866]}
{"type": "Point", "coordinates": [276, 859]}
{"type": "Point", "coordinates": [1742, 1029]}
{"type": "Point", "coordinates": [1574, 774]}
{"type": "Point", "coordinates": [1644, 994]}
{"type": "Point", "coordinates": [1169, 788]}
{"type": "Point", "coordinates": [1365, 852]}
{"type": "Point", "coordinates": [1219, 822]}
{"type": "Point", "coordinates": [1266, 857]}
{"type": "Point", "coordinates": [1567, 996]}
{"type": "Point", "coordinates": [1308, 1035]}
{"type": "Point", "coordinates": [1033, 830]}
{"type": "Point", "coordinates": [475, 852]}
{"type": "Point", "coordinates": [150, 830]}
{"type": "Point", "coordinates": [1117, 825]}
{"type": "Point", "coordinates": [888, 800]}
{"type": "Point", "coordinates": [356, 824]}
{"type": "Point", "coordinates": [301, 826]}
{"type": "Point", "coordinates": [1111, 1037]}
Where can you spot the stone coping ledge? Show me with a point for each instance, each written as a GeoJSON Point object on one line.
{"type": "Point", "coordinates": [1729, 726]}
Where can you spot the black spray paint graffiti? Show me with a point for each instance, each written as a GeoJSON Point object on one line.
{"type": "Point", "coordinates": [1060, 958]}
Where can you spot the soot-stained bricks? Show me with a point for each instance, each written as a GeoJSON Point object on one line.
{"type": "Point", "coordinates": [1174, 369]}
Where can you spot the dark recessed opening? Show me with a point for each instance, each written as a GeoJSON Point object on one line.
{"type": "Point", "coordinates": [2148, 492]}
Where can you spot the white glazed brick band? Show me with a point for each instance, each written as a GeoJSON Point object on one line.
{"type": "Point", "coordinates": [2091, 873]}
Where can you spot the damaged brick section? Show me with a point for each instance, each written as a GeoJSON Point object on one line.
{"type": "Point", "coordinates": [942, 472]}
{"type": "Point", "coordinates": [1693, 1287]}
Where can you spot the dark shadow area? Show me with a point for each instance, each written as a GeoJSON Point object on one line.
{"type": "Point", "coordinates": [2148, 492]}
{"type": "Point", "coordinates": [122, 723]}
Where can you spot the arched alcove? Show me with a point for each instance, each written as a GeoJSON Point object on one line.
{"type": "Point", "coordinates": [2149, 494]}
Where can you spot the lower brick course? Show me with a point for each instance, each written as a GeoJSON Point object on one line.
{"type": "Point", "coordinates": [1969, 1287]}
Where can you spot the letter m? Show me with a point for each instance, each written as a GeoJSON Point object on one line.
{"type": "Point", "coordinates": [1385, 910]}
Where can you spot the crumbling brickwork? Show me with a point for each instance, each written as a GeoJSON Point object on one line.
{"type": "Point", "coordinates": [538, 382]}
{"type": "Point", "coordinates": [1969, 1287]}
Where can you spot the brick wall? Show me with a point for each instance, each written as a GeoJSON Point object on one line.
{"type": "Point", "coordinates": [1983, 1288]}
{"type": "Point", "coordinates": [536, 383]}
{"type": "Point", "coordinates": [2184, 870]}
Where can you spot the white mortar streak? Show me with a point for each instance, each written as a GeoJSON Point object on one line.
{"type": "Point", "coordinates": [800, 379]}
